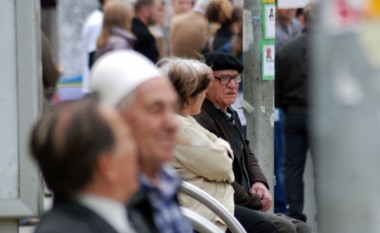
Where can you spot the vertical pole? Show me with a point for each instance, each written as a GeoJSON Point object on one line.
{"type": "Point", "coordinates": [346, 123]}
{"type": "Point", "coordinates": [258, 93]}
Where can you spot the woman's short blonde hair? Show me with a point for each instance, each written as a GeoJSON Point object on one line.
{"type": "Point", "coordinates": [189, 77]}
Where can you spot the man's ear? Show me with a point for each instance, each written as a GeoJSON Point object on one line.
{"type": "Point", "coordinates": [105, 167]}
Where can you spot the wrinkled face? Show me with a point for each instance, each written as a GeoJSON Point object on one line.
{"type": "Point", "coordinates": [157, 13]}
{"type": "Point", "coordinates": [151, 115]}
{"type": "Point", "coordinates": [124, 157]}
{"type": "Point", "coordinates": [180, 6]}
{"type": "Point", "coordinates": [223, 95]}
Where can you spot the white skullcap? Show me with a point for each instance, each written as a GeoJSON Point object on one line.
{"type": "Point", "coordinates": [118, 73]}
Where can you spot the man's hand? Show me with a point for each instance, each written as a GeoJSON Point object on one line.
{"type": "Point", "coordinates": [266, 198]}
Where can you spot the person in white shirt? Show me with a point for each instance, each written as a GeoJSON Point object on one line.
{"type": "Point", "coordinates": [90, 33]}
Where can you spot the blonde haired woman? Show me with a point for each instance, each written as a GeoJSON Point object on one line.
{"type": "Point", "coordinates": [116, 28]}
{"type": "Point", "coordinates": [200, 157]}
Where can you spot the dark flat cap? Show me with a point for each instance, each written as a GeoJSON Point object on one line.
{"type": "Point", "coordinates": [223, 61]}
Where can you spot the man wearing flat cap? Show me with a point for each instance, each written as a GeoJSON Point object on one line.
{"type": "Point", "coordinates": [148, 102]}
{"type": "Point", "coordinates": [251, 187]}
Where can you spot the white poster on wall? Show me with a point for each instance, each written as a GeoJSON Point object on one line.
{"type": "Point", "coordinates": [286, 4]}
{"type": "Point", "coordinates": [270, 21]}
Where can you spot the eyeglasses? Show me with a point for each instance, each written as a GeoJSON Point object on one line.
{"type": "Point", "coordinates": [225, 79]}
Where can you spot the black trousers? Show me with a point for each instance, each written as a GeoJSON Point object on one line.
{"type": "Point", "coordinates": [297, 145]}
{"type": "Point", "coordinates": [252, 221]}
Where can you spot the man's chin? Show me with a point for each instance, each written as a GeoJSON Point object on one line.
{"type": "Point", "coordinates": [165, 155]}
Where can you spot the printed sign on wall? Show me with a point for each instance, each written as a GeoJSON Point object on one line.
{"type": "Point", "coordinates": [269, 21]}
{"type": "Point", "coordinates": [268, 53]}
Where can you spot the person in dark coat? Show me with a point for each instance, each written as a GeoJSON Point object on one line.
{"type": "Point", "coordinates": [292, 96]}
{"type": "Point", "coordinates": [251, 187]}
{"type": "Point", "coordinates": [147, 12]}
{"type": "Point", "coordinates": [80, 147]}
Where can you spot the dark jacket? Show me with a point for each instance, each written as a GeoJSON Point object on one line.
{"type": "Point", "coordinates": [216, 122]}
{"type": "Point", "coordinates": [146, 43]}
{"type": "Point", "coordinates": [68, 216]}
{"type": "Point", "coordinates": [140, 213]}
{"type": "Point", "coordinates": [292, 72]}
{"type": "Point", "coordinates": [222, 36]}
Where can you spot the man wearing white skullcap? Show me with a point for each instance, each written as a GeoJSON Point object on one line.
{"type": "Point", "coordinates": [148, 103]}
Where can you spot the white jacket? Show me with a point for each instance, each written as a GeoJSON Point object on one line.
{"type": "Point", "coordinates": [204, 160]}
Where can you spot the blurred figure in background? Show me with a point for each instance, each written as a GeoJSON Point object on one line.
{"type": "Point", "coordinates": [287, 28]}
{"type": "Point", "coordinates": [148, 103]}
{"type": "Point", "coordinates": [147, 12]}
{"type": "Point", "coordinates": [292, 95]}
{"type": "Point", "coordinates": [90, 33]}
{"type": "Point", "coordinates": [189, 32]}
{"type": "Point", "coordinates": [235, 45]}
{"type": "Point", "coordinates": [220, 12]}
{"type": "Point", "coordinates": [157, 30]}
{"type": "Point", "coordinates": [50, 73]}
{"type": "Point", "coordinates": [177, 7]}
{"type": "Point", "coordinates": [181, 6]}
{"type": "Point", "coordinates": [88, 159]}
{"type": "Point", "coordinates": [116, 28]}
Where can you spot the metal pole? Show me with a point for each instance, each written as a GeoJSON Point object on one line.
{"type": "Point", "coordinates": [258, 93]}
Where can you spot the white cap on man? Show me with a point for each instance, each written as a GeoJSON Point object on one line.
{"type": "Point", "coordinates": [118, 73]}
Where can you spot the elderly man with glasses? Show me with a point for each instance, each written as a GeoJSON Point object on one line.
{"type": "Point", "coordinates": [251, 187]}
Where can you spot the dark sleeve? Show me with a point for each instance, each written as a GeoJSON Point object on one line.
{"type": "Point", "coordinates": [253, 168]}
{"type": "Point", "coordinates": [255, 172]}
{"type": "Point", "coordinates": [246, 199]}
{"type": "Point", "coordinates": [278, 82]}
{"type": "Point", "coordinates": [205, 121]}
{"type": "Point", "coordinates": [91, 59]}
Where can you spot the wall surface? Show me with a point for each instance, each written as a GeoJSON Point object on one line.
{"type": "Point", "coordinates": [8, 104]}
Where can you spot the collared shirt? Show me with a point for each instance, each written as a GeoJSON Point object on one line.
{"type": "Point", "coordinates": [113, 212]}
{"type": "Point", "coordinates": [285, 33]}
{"type": "Point", "coordinates": [166, 212]}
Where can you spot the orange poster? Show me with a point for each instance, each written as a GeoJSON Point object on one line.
{"type": "Point", "coordinates": [374, 8]}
